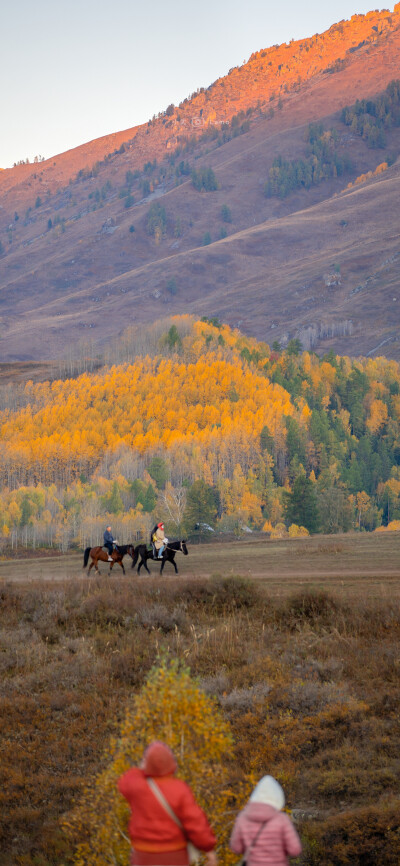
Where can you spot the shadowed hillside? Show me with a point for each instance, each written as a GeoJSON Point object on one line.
{"type": "Point", "coordinates": [129, 227]}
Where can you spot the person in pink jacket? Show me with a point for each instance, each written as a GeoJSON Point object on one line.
{"type": "Point", "coordinates": [262, 832]}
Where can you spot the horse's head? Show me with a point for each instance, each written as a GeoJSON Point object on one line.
{"type": "Point", "coordinates": [184, 548]}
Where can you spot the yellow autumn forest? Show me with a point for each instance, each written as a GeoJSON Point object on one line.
{"type": "Point", "coordinates": [207, 426]}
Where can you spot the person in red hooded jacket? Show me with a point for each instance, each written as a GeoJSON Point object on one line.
{"type": "Point", "coordinates": [156, 838]}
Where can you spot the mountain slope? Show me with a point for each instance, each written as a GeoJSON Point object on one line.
{"type": "Point", "coordinates": [81, 263]}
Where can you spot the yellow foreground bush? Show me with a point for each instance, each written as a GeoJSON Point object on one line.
{"type": "Point", "coordinates": [171, 707]}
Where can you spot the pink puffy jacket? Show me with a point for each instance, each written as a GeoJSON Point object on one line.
{"type": "Point", "coordinates": [278, 840]}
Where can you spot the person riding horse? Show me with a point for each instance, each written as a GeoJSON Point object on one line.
{"type": "Point", "coordinates": [109, 542]}
{"type": "Point", "coordinates": [158, 540]}
{"type": "Point", "coordinates": [170, 550]}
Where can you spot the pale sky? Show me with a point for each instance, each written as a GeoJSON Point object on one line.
{"type": "Point", "coordinates": [73, 71]}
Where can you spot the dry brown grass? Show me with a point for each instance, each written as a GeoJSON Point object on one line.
{"type": "Point", "coordinates": [307, 672]}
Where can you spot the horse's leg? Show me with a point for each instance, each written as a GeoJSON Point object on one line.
{"type": "Point", "coordinates": [122, 566]}
{"type": "Point", "coordinates": [90, 566]}
{"type": "Point", "coordinates": [170, 559]}
{"type": "Point", "coordinates": [144, 562]}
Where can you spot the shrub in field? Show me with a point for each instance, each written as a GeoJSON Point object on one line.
{"type": "Point", "coordinates": [222, 594]}
{"type": "Point", "coordinates": [157, 616]}
{"type": "Point", "coordinates": [217, 684]}
{"type": "Point", "coordinates": [312, 607]}
{"type": "Point", "coordinates": [296, 531]}
{"type": "Point", "coordinates": [243, 700]}
{"type": "Point", "coordinates": [278, 531]}
{"type": "Point", "coordinates": [307, 698]}
{"type": "Point", "coordinates": [170, 707]}
{"type": "Point", "coordinates": [363, 837]}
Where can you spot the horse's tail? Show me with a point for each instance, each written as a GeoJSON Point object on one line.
{"type": "Point", "coordinates": [135, 556]}
{"type": "Point", "coordinates": [86, 557]}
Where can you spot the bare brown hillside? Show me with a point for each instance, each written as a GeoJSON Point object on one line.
{"type": "Point", "coordinates": [80, 263]}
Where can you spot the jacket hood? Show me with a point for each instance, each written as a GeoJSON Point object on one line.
{"type": "Point", "coordinates": [158, 760]}
{"type": "Point", "coordinates": [269, 792]}
{"type": "Point", "coordinates": [259, 812]}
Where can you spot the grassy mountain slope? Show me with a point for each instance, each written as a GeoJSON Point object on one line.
{"type": "Point", "coordinates": [78, 264]}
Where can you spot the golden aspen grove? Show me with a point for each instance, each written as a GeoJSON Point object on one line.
{"type": "Point", "coordinates": [203, 425]}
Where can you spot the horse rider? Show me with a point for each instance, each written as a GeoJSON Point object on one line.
{"type": "Point", "coordinates": [109, 542]}
{"type": "Point", "coordinates": [158, 540]}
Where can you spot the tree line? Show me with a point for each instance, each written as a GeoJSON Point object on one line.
{"type": "Point", "coordinates": [368, 118]}
{"type": "Point", "coordinates": [215, 429]}
{"type": "Point", "coordinates": [322, 162]}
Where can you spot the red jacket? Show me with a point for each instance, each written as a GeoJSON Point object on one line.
{"type": "Point", "coordinates": [150, 827]}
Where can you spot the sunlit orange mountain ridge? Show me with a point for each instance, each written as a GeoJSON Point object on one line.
{"type": "Point", "coordinates": [81, 260]}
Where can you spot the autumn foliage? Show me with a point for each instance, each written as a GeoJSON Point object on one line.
{"type": "Point", "coordinates": [173, 708]}
{"type": "Point", "coordinates": [205, 406]}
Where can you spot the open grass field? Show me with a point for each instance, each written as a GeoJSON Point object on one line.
{"type": "Point", "coordinates": [346, 564]}
{"type": "Point", "coordinates": [297, 640]}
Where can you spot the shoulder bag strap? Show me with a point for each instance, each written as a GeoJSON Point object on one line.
{"type": "Point", "coordinates": [253, 842]}
{"type": "Point", "coordinates": [193, 852]}
{"type": "Point", "coordinates": [163, 802]}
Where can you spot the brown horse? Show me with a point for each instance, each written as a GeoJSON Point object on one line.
{"type": "Point", "coordinates": [98, 554]}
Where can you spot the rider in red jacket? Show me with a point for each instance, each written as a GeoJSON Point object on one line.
{"type": "Point", "coordinates": [156, 838]}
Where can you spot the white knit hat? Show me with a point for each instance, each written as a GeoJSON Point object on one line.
{"type": "Point", "coordinates": [269, 792]}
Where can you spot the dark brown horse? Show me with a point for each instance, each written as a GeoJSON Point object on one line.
{"type": "Point", "coordinates": [100, 555]}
